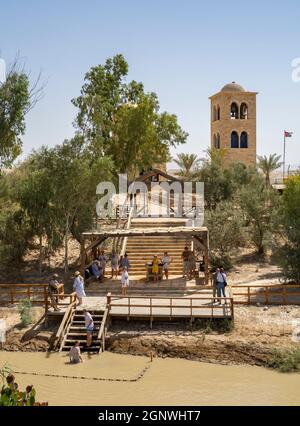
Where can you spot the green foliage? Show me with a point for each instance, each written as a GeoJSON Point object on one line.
{"type": "Point", "coordinates": [189, 164]}
{"type": "Point", "coordinates": [24, 309]}
{"type": "Point", "coordinates": [226, 233]}
{"type": "Point", "coordinates": [268, 164]}
{"type": "Point", "coordinates": [288, 253]}
{"type": "Point", "coordinates": [285, 361]}
{"type": "Point", "coordinates": [14, 103]}
{"type": "Point", "coordinates": [259, 204]}
{"type": "Point", "coordinates": [120, 120]}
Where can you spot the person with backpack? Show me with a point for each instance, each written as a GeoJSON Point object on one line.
{"type": "Point", "coordinates": [221, 283]}
{"type": "Point", "coordinates": [53, 292]}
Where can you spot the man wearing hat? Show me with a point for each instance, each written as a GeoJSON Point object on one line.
{"type": "Point", "coordinates": [53, 291]}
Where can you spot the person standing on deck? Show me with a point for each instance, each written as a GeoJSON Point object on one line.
{"type": "Point", "coordinates": [75, 354]}
{"type": "Point", "coordinates": [124, 281]}
{"type": "Point", "coordinates": [155, 268]}
{"type": "Point", "coordinates": [124, 262]}
{"type": "Point", "coordinates": [53, 292]}
{"type": "Point", "coordinates": [78, 287]}
{"type": "Point", "coordinates": [185, 257]}
{"type": "Point", "coordinates": [221, 280]}
{"type": "Point", "coordinates": [114, 264]}
{"type": "Point", "coordinates": [103, 260]}
{"type": "Point", "coordinates": [166, 260]}
{"type": "Point", "coordinates": [192, 265]}
{"type": "Point", "coordinates": [89, 325]}
{"type": "Point", "coordinates": [214, 283]}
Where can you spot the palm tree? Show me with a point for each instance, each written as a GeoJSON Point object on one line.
{"type": "Point", "coordinates": [268, 164]}
{"type": "Point", "coordinates": [217, 155]}
{"type": "Point", "coordinates": [188, 164]}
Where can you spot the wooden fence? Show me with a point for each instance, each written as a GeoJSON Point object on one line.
{"type": "Point", "coordinates": [266, 294]}
{"type": "Point", "coordinates": [36, 293]}
{"type": "Point", "coordinates": [170, 307]}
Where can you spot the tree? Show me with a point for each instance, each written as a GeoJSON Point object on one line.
{"type": "Point", "coordinates": [72, 177]}
{"type": "Point", "coordinates": [119, 120]}
{"type": "Point", "coordinates": [188, 164]}
{"type": "Point", "coordinates": [16, 100]}
{"type": "Point", "coordinates": [268, 164]}
{"type": "Point", "coordinates": [225, 224]}
{"type": "Point", "coordinates": [288, 253]}
{"type": "Point", "coordinates": [259, 205]}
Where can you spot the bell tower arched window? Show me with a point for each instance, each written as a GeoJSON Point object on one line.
{"type": "Point", "coordinates": [234, 111]}
{"type": "Point", "coordinates": [244, 111]}
{"type": "Point", "coordinates": [234, 140]}
{"type": "Point", "coordinates": [244, 140]}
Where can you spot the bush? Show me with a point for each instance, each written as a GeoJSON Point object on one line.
{"type": "Point", "coordinates": [24, 309]}
{"type": "Point", "coordinates": [286, 361]}
{"type": "Point", "coordinates": [10, 395]}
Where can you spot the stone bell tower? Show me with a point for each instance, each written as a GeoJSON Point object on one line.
{"type": "Point", "coordinates": [233, 123]}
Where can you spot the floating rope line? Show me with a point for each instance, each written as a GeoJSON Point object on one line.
{"type": "Point", "coordinates": [103, 379]}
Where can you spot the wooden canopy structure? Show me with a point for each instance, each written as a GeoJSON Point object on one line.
{"type": "Point", "coordinates": [92, 239]}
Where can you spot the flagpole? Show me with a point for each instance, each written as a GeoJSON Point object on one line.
{"type": "Point", "coordinates": [283, 156]}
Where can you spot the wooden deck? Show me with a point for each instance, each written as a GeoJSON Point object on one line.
{"type": "Point", "coordinates": [171, 308]}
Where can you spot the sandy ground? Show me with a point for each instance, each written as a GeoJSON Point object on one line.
{"type": "Point", "coordinates": [256, 334]}
{"type": "Point", "coordinates": [35, 337]}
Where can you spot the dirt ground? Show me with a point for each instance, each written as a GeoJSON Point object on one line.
{"type": "Point", "coordinates": [35, 337]}
{"type": "Point", "coordinates": [256, 334]}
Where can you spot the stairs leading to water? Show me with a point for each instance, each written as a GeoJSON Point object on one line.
{"type": "Point", "coordinates": [77, 332]}
{"type": "Point", "coordinates": [141, 250]}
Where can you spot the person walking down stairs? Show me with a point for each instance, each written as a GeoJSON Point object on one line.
{"type": "Point", "coordinates": [89, 325]}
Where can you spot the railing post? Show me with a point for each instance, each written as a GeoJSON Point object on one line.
{"type": "Point", "coordinates": [108, 300]}
{"type": "Point", "coordinates": [248, 295]}
{"type": "Point", "coordinates": [171, 309]}
{"type": "Point", "coordinates": [267, 295]}
{"type": "Point", "coordinates": [12, 294]}
{"type": "Point", "coordinates": [284, 295]}
{"type": "Point", "coordinates": [46, 299]}
{"type": "Point", "coordinates": [128, 307]}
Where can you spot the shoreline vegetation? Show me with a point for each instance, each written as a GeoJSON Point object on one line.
{"type": "Point", "coordinates": [258, 337]}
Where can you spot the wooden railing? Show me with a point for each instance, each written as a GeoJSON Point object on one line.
{"type": "Point", "coordinates": [36, 293]}
{"type": "Point", "coordinates": [66, 321]}
{"type": "Point", "coordinates": [126, 306]}
{"type": "Point", "coordinates": [102, 330]}
{"type": "Point", "coordinates": [266, 294]}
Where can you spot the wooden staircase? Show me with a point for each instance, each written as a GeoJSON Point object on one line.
{"type": "Point", "coordinates": [141, 250]}
{"type": "Point", "coordinates": [76, 331]}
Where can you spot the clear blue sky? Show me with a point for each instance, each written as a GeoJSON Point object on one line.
{"type": "Point", "coordinates": [183, 50]}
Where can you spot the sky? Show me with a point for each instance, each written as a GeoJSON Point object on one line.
{"type": "Point", "coordinates": [185, 51]}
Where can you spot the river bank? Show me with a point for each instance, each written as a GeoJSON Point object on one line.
{"type": "Point", "coordinates": [258, 333]}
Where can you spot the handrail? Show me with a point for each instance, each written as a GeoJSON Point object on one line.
{"type": "Point", "coordinates": [267, 292]}
{"type": "Point", "coordinates": [63, 325]}
{"type": "Point", "coordinates": [124, 244]}
{"type": "Point", "coordinates": [101, 334]}
{"type": "Point", "coordinates": [189, 305]}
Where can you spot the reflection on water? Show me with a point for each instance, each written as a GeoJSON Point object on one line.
{"type": "Point", "coordinates": [167, 381]}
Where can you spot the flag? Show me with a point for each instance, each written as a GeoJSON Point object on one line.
{"type": "Point", "coordinates": [288, 134]}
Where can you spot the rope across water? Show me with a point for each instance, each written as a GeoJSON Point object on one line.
{"type": "Point", "coordinates": [103, 379]}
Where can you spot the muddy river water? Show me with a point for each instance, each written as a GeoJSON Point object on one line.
{"type": "Point", "coordinates": [131, 380]}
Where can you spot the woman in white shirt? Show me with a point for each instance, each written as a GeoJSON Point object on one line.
{"type": "Point", "coordinates": [166, 260]}
{"type": "Point", "coordinates": [78, 287]}
{"type": "Point", "coordinates": [124, 281]}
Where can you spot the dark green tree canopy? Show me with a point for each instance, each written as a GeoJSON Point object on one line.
{"type": "Point", "coordinates": [120, 120]}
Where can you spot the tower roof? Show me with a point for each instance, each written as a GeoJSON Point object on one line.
{"type": "Point", "coordinates": [233, 87]}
